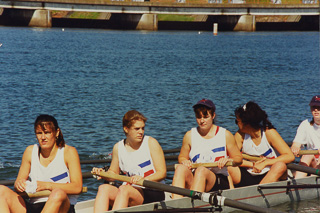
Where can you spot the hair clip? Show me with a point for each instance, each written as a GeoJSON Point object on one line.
{"type": "Point", "coordinates": [244, 107]}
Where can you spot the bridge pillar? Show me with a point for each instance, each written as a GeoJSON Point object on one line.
{"type": "Point", "coordinates": [25, 17]}
{"type": "Point", "coordinates": [41, 18]}
{"type": "Point", "coordinates": [246, 23]}
{"type": "Point", "coordinates": [148, 22]}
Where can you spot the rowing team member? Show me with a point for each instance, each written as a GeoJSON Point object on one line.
{"type": "Point", "coordinates": [308, 134]}
{"type": "Point", "coordinates": [138, 156]}
{"type": "Point", "coordinates": [49, 165]}
{"type": "Point", "coordinates": [258, 137]}
{"type": "Point", "coordinates": [206, 143]}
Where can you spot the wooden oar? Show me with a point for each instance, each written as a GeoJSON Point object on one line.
{"type": "Point", "coordinates": [207, 165]}
{"type": "Point", "coordinates": [251, 158]}
{"type": "Point", "coordinates": [211, 198]}
{"type": "Point", "coordinates": [292, 166]}
{"type": "Point", "coordinates": [44, 193]}
{"type": "Point", "coordinates": [308, 152]}
{"type": "Point", "coordinates": [305, 169]}
{"type": "Point", "coordinates": [86, 175]}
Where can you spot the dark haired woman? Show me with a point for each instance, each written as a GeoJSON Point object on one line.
{"type": "Point", "coordinates": [203, 144]}
{"type": "Point", "coordinates": [49, 165]}
{"type": "Point", "coordinates": [308, 133]}
{"type": "Point", "coordinates": [137, 156]}
{"type": "Point", "coordinates": [258, 137]}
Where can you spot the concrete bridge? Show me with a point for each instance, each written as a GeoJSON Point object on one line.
{"type": "Point", "coordinates": [144, 14]}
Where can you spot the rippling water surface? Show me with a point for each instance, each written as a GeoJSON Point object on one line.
{"type": "Point", "coordinates": [88, 79]}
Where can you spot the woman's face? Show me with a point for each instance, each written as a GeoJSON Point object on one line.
{"type": "Point", "coordinates": [136, 131]}
{"type": "Point", "coordinates": [46, 136]}
{"type": "Point", "coordinates": [315, 110]}
{"type": "Point", "coordinates": [205, 121]}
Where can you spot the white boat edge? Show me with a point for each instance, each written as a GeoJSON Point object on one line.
{"type": "Point", "coordinates": [250, 194]}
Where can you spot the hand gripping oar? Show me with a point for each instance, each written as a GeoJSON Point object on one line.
{"type": "Point", "coordinates": [292, 166]}
{"type": "Point", "coordinates": [44, 193]}
{"type": "Point", "coordinates": [207, 165]}
{"type": "Point", "coordinates": [211, 198]}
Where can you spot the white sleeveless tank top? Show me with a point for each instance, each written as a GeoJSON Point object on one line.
{"type": "Point", "coordinates": [138, 162]}
{"type": "Point", "coordinates": [209, 150]}
{"type": "Point", "coordinates": [56, 171]}
{"type": "Point", "coordinates": [263, 149]}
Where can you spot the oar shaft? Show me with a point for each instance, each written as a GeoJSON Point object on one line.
{"type": "Point", "coordinates": [305, 169]}
{"type": "Point", "coordinates": [151, 184]}
{"type": "Point", "coordinates": [207, 165]}
{"type": "Point", "coordinates": [188, 193]}
{"type": "Point", "coordinates": [247, 207]}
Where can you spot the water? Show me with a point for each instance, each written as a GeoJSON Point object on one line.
{"type": "Point", "coordinates": [88, 79]}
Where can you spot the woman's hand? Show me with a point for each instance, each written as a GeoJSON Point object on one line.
{"type": "Point", "coordinates": [222, 162]}
{"type": "Point", "coordinates": [97, 171]}
{"type": "Point", "coordinates": [259, 165]}
{"type": "Point", "coordinates": [135, 179]}
{"type": "Point", "coordinates": [44, 186]}
{"type": "Point", "coordinates": [20, 185]}
{"type": "Point", "coordinates": [295, 150]}
{"type": "Point", "coordinates": [187, 163]}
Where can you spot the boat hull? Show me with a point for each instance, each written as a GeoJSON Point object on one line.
{"type": "Point", "coordinates": [252, 195]}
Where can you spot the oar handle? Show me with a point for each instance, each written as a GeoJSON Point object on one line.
{"type": "Point", "coordinates": [45, 193]}
{"type": "Point", "coordinates": [251, 158]}
{"type": "Point", "coordinates": [291, 166]}
{"type": "Point", "coordinates": [207, 165]}
{"type": "Point", "coordinates": [301, 152]}
{"type": "Point", "coordinates": [308, 152]}
{"type": "Point", "coordinates": [122, 178]}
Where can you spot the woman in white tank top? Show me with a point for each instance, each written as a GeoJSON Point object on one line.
{"type": "Point", "coordinates": [308, 133]}
{"type": "Point", "coordinates": [49, 165]}
{"type": "Point", "coordinates": [257, 136]}
{"type": "Point", "coordinates": [206, 143]}
{"type": "Point", "coordinates": [137, 156]}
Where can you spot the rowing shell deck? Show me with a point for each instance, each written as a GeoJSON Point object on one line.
{"type": "Point", "coordinates": [251, 195]}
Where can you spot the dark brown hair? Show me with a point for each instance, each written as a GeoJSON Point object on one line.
{"type": "Point", "coordinates": [203, 111]}
{"type": "Point", "coordinates": [49, 122]}
{"type": "Point", "coordinates": [252, 114]}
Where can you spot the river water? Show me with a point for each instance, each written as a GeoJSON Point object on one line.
{"type": "Point", "coordinates": [88, 79]}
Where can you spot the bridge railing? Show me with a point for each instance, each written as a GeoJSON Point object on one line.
{"type": "Point", "coordinates": [202, 2]}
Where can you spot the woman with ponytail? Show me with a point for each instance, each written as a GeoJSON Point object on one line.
{"type": "Point", "coordinates": [258, 137]}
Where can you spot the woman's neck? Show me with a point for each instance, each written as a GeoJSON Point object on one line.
{"type": "Point", "coordinates": [207, 133]}
{"type": "Point", "coordinates": [47, 153]}
{"type": "Point", "coordinates": [254, 133]}
{"type": "Point", "coordinates": [316, 121]}
{"type": "Point", "coordinates": [132, 145]}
